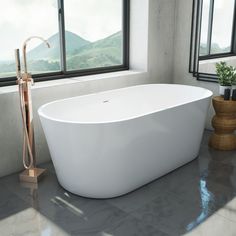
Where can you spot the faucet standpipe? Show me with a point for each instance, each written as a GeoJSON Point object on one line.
{"type": "Point", "coordinates": [24, 81]}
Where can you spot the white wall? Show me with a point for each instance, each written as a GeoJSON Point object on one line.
{"type": "Point", "coordinates": [151, 55]}
{"type": "Point", "coordinates": [183, 17]}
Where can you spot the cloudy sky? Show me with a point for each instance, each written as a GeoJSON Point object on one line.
{"type": "Point", "coordinates": [91, 19]}
{"type": "Point", "coordinates": [222, 24]}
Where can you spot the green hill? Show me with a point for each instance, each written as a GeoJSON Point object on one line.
{"type": "Point", "coordinates": [105, 52]}
{"type": "Point", "coordinates": [81, 54]}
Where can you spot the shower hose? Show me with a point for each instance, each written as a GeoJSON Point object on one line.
{"type": "Point", "coordinates": [28, 164]}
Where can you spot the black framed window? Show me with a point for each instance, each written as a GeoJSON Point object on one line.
{"type": "Point", "coordinates": [213, 36]}
{"type": "Point", "coordinates": [86, 37]}
{"type": "Point", "coordinates": [217, 28]}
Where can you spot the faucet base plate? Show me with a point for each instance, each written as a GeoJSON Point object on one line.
{"type": "Point", "coordinates": [32, 175]}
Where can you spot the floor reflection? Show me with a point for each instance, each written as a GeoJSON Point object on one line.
{"type": "Point", "coordinates": [205, 200]}
{"type": "Point", "coordinates": [218, 174]}
{"type": "Point", "coordinates": [222, 222]}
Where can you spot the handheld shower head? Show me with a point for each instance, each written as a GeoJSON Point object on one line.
{"type": "Point", "coordinates": [18, 67]}
{"type": "Point", "coordinates": [25, 46]}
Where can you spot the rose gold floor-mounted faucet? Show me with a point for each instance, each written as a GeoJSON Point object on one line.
{"type": "Point", "coordinates": [24, 81]}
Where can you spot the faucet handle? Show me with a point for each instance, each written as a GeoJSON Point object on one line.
{"type": "Point", "coordinates": [18, 67]}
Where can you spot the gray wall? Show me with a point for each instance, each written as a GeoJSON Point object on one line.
{"type": "Point", "coordinates": [152, 48]}
{"type": "Point", "coordinates": [161, 40]}
{"type": "Point", "coordinates": [183, 16]}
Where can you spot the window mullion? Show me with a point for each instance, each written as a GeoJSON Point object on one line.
{"type": "Point", "coordinates": [210, 26]}
{"type": "Point", "coordinates": [126, 19]}
{"type": "Point", "coordinates": [233, 42]}
{"type": "Point", "coordinates": [61, 18]}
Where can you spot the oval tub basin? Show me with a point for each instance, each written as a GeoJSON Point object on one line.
{"type": "Point", "coordinates": [107, 144]}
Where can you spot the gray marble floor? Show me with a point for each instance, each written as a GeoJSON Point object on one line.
{"type": "Point", "coordinates": [196, 199]}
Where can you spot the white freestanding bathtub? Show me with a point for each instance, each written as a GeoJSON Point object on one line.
{"type": "Point", "coordinates": [107, 144]}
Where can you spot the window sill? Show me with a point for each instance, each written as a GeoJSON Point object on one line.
{"type": "Point", "coordinates": [216, 56]}
{"type": "Point", "coordinates": [214, 60]}
{"type": "Point", "coordinates": [80, 79]}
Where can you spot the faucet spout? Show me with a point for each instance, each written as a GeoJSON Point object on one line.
{"type": "Point", "coordinates": [25, 46]}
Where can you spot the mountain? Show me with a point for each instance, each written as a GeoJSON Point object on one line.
{"type": "Point", "coordinates": [81, 54]}
{"type": "Point", "coordinates": [73, 45]}
{"type": "Point", "coordinates": [104, 52]}
{"type": "Point", "coordinates": [112, 41]}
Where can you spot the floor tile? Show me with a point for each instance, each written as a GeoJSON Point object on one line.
{"type": "Point", "coordinates": [171, 214]}
{"type": "Point", "coordinates": [220, 173]}
{"type": "Point", "coordinates": [33, 194]}
{"type": "Point", "coordinates": [214, 226]}
{"type": "Point", "coordinates": [229, 210]}
{"type": "Point", "coordinates": [133, 227]}
{"type": "Point", "coordinates": [87, 217]}
{"type": "Point", "coordinates": [205, 193]}
{"type": "Point", "coordinates": [71, 212]}
{"type": "Point", "coordinates": [10, 204]}
{"type": "Point", "coordinates": [29, 222]}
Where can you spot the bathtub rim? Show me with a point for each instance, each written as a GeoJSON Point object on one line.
{"type": "Point", "coordinates": [42, 114]}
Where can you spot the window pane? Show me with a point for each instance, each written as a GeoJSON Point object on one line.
{"type": "Point", "coordinates": [94, 35]}
{"type": "Point", "coordinates": [222, 26]}
{"type": "Point", "coordinates": [22, 19]}
{"type": "Point", "coordinates": [205, 27]}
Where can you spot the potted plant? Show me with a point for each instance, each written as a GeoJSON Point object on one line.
{"type": "Point", "coordinates": [226, 75]}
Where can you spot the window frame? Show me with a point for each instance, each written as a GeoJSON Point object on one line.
{"type": "Point", "coordinates": [210, 55]}
{"type": "Point", "coordinates": [195, 42]}
{"type": "Point", "coordinates": [6, 81]}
